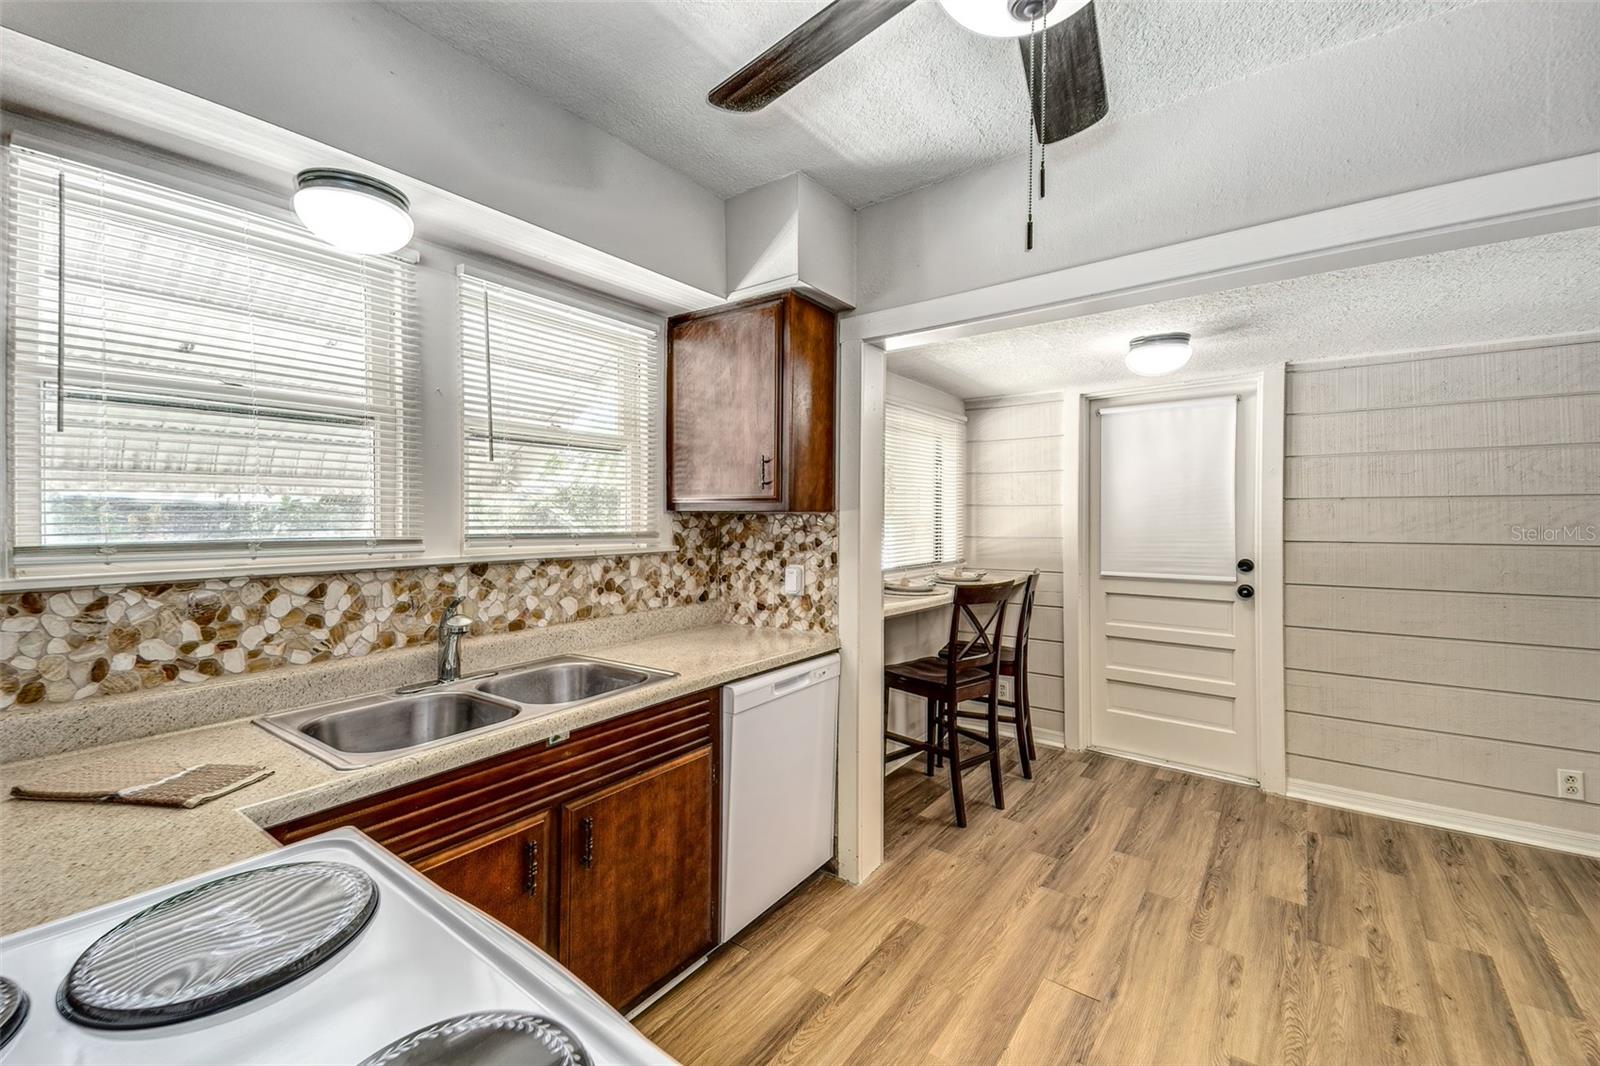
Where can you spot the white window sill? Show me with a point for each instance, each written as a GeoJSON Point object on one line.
{"type": "Point", "coordinates": [151, 572]}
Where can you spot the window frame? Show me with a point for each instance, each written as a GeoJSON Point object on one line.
{"type": "Point", "coordinates": [442, 512]}
{"type": "Point", "coordinates": [581, 299]}
{"type": "Point", "coordinates": [962, 506]}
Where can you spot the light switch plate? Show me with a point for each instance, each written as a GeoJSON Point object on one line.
{"type": "Point", "coordinates": [794, 580]}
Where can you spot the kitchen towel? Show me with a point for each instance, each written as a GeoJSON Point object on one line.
{"type": "Point", "coordinates": [151, 786]}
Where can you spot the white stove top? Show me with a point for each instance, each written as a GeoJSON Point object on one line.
{"type": "Point", "coordinates": [425, 956]}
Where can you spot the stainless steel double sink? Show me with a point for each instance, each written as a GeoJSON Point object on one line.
{"type": "Point", "coordinates": [369, 729]}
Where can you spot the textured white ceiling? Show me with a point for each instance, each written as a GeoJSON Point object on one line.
{"type": "Point", "coordinates": [1538, 286]}
{"type": "Point", "coordinates": [916, 102]}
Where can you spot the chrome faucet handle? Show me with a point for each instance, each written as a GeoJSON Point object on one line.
{"type": "Point", "coordinates": [452, 620]}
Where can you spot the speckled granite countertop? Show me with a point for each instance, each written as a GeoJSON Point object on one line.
{"type": "Point", "coordinates": [900, 606]}
{"type": "Point", "coordinates": [59, 858]}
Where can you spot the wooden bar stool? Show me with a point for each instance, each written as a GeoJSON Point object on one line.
{"type": "Point", "coordinates": [1014, 664]}
{"type": "Point", "coordinates": [968, 669]}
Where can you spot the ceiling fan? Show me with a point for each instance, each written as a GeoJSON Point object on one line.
{"type": "Point", "coordinates": [1060, 60]}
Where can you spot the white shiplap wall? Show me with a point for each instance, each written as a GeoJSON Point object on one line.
{"type": "Point", "coordinates": [1014, 520]}
{"type": "Point", "coordinates": [1433, 654]}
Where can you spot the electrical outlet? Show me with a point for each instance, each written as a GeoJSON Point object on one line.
{"type": "Point", "coordinates": [1569, 784]}
{"type": "Point", "coordinates": [794, 580]}
{"type": "Point", "coordinates": [1005, 688]}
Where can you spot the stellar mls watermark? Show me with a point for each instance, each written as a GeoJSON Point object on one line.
{"type": "Point", "coordinates": [1538, 534]}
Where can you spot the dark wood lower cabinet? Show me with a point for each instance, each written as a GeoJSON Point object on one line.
{"type": "Point", "coordinates": [638, 886]}
{"type": "Point", "coordinates": [507, 873]}
{"type": "Point", "coordinates": [602, 849]}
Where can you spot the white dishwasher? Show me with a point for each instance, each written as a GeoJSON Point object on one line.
{"type": "Point", "coordinates": [778, 742]}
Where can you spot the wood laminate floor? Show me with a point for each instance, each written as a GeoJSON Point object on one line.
{"type": "Point", "coordinates": [1119, 913]}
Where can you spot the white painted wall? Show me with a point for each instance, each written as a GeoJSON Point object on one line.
{"type": "Point", "coordinates": [763, 237]}
{"type": "Point", "coordinates": [1473, 91]}
{"type": "Point", "coordinates": [358, 78]}
{"type": "Point", "coordinates": [792, 233]}
{"type": "Point", "coordinates": [898, 388]}
{"type": "Point", "coordinates": [1014, 525]}
{"type": "Point", "coordinates": [1442, 609]}
{"type": "Point", "coordinates": [827, 243]}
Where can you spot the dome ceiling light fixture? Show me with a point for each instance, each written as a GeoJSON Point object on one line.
{"type": "Point", "coordinates": [1159, 353]}
{"type": "Point", "coordinates": [352, 212]}
{"type": "Point", "coordinates": [1007, 18]}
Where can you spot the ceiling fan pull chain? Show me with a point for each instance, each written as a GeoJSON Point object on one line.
{"type": "Point", "coordinates": [1032, 42]}
{"type": "Point", "coordinates": [1044, 88]}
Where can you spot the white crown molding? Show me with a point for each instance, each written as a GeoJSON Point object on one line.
{"type": "Point", "coordinates": [1485, 825]}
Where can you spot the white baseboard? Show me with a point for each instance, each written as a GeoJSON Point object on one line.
{"type": "Point", "coordinates": [1168, 764]}
{"type": "Point", "coordinates": [1049, 738]}
{"type": "Point", "coordinates": [1486, 825]}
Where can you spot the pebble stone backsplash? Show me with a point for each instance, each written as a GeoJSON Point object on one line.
{"type": "Point", "coordinates": [74, 644]}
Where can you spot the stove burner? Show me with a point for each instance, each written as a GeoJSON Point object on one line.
{"type": "Point", "coordinates": [13, 1009]}
{"type": "Point", "coordinates": [486, 1038]}
{"type": "Point", "coordinates": [217, 945]}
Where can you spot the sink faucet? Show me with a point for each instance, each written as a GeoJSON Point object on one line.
{"type": "Point", "coordinates": [452, 627]}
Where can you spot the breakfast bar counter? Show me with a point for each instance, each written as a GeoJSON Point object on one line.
{"type": "Point", "coordinates": [899, 605]}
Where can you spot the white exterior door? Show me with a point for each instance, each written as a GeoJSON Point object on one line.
{"type": "Point", "coordinates": [1172, 504]}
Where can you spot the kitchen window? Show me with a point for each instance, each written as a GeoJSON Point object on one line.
{"type": "Point", "coordinates": [191, 384]}
{"type": "Point", "coordinates": [562, 401]}
{"type": "Point", "coordinates": [924, 488]}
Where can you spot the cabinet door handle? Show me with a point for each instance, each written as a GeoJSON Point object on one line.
{"type": "Point", "coordinates": [766, 478]}
{"type": "Point", "coordinates": [586, 853]}
{"type": "Point", "coordinates": [530, 867]}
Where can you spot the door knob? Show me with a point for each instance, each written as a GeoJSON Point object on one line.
{"type": "Point", "coordinates": [1246, 565]}
{"type": "Point", "coordinates": [1245, 591]}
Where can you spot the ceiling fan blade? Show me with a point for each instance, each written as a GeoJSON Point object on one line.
{"type": "Point", "coordinates": [1075, 92]}
{"type": "Point", "coordinates": [803, 52]}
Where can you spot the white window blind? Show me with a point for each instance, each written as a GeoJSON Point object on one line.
{"type": "Point", "coordinates": [192, 379]}
{"type": "Point", "coordinates": [924, 488]}
{"type": "Point", "coordinates": [562, 416]}
{"type": "Point", "coordinates": [1166, 489]}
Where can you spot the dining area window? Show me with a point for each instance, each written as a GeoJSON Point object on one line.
{"type": "Point", "coordinates": [924, 488]}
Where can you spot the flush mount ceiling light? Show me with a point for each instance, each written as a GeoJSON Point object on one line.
{"type": "Point", "coordinates": [1159, 353]}
{"type": "Point", "coordinates": [1007, 18]}
{"type": "Point", "coordinates": [352, 212]}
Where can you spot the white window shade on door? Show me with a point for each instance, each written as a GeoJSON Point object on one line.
{"type": "Point", "coordinates": [924, 488]}
{"type": "Point", "coordinates": [1167, 489]}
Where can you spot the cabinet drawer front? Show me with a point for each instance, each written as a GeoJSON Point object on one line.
{"type": "Point", "coordinates": [725, 377]}
{"type": "Point", "coordinates": [639, 878]}
{"type": "Point", "coordinates": [427, 816]}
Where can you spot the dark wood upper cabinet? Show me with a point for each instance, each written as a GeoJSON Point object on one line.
{"type": "Point", "coordinates": [639, 879]}
{"type": "Point", "coordinates": [750, 407]}
{"type": "Point", "coordinates": [507, 873]}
